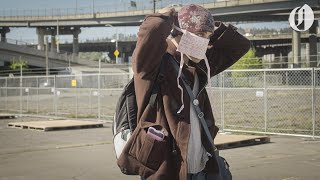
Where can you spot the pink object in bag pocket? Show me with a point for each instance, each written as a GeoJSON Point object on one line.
{"type": "Point", "coordinates": [156, 134]}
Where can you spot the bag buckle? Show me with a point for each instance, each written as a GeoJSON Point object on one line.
{"type": "Point", "coordinates": [201, 115]}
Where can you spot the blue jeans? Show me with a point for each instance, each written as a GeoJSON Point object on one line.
{"type": "Point", "coordinates": [204, 176]}
{"type": "Point", "coordinates": [199, 176]}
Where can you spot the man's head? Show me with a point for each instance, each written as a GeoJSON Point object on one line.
{"type": "Point", "coordinates": [195, 19]}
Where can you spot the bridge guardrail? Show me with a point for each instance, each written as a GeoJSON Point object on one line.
{"type": "Point", "coordinates": [142, 6]}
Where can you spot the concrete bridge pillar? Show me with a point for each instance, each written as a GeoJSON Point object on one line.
{"type": "Point", "coordinates": [296, 48]}
{"type": "Point", "coordinates": [53, 47]}
{"type": "Point", "coordinates": [4, 31]}
{"type": "Point", "coordinates": [312, 46]}
{"type": "Point", "coordinates": [76, 31]}
{"type": "Point", "coordinates": [284, 58]}
{"type": "Point", "coordinates": [277, 58]}
{"type": "Point", "coordinates": [41, 32]}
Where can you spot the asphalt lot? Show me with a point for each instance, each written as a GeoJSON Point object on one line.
{"type": "Point", "coordinates": [85, 154]}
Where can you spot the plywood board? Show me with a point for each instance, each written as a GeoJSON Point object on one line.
{"type": "Point", "coordinates": [55, 125]}
{"type": "Point", "coordinates": [225, 141]}
{"type": "Point", "coordinates": [7, 116]}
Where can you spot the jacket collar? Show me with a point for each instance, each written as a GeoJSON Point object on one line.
{"type": "Point", "coordinates": [200, 67]}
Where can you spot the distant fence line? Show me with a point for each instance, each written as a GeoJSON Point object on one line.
{"type": "Point", "coordinates": [279, 101]}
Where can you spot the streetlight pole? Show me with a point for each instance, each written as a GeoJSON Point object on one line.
{"type": "Point", "coordinates": [116, 41]}
{"type": "Point", "coordinates": [76, 7]}
{"type": "Point", "coordinates": [117, 38]}
{"type": "Point", "coordinates": [92, 6]}
{"type": "Point", "coordinates": [57, 38]}
{"type": "Point", "coordinates": [154, 5]}
{"type": "Point", "coordinates": [47, 59]}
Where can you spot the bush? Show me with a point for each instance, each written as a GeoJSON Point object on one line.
{"type": "Point", "coordinates": [16, 64]}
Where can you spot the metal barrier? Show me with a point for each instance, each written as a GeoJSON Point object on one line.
{"type": "Point", "coordinates": [116, 7]}
{"type": "Point", "coordinates": [279, 101]}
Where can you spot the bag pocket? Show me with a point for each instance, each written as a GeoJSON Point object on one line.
{"type": "Point", "coordinates": [224, 168]}
{"type": "Point", "coordinates": [148, 151]}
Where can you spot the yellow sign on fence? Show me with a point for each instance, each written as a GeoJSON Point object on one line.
{"type": "Point", "coordinates": [74, 83]}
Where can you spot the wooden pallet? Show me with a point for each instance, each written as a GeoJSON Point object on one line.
{"type": "Point", "coordinates": [7, 116]}
{"type": "Point", "coordinates": [55, 125]}
{"type": "Point", "coordinates": [226, 141]}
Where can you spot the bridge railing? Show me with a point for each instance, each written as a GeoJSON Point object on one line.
{"type": "Point", "coordinates": [137, 5]}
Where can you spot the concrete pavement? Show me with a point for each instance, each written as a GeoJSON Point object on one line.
{"type": "Point", "coordinates": [85, 154]}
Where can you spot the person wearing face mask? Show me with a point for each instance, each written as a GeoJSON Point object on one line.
{"type": "Point", "coordinates": [201, 48]}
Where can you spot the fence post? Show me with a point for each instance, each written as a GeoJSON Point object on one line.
{"type": "Point", "coordinates": [313, 103]}
{"type": "Point", "coordinates": [90, 100]}
{"type": "Point", "coordinates": [76, 101]}
{"type": "Point", "coordinates": [55, 95]}
{"type": "Point", "coordinates": [20, 90]}
{"type": "Point", "coordinates": [38, 95]}
{"type": "Point", "coordinates": [222, 101]}
{"type": "Point", "coordinates": [265, 99]}
{"type": "Point", "coordinates": [6, 94]}
{"type": "Point", "coordinates": [99, 92]}
{"type": "Point", "coordinates": [27, 91]}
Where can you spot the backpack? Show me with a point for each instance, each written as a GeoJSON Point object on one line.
{"type": "Point", "coordinates": [125, 117]}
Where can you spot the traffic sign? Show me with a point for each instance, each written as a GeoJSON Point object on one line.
{"type": "Point", "coordinates": [74, 83]}
{"type": "Point", "coordinates": [116, 53]}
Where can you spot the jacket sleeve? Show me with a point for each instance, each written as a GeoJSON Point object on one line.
{"type": "Point", "coordinates": [228, 47]}
{"type": "Point", "coordinates": [151, 44]}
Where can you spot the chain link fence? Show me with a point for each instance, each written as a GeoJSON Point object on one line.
{"type": "Point", "coordinates": [280, 101]}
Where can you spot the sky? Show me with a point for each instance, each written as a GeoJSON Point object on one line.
{"type": "Point", "coordinates": [29, 34]}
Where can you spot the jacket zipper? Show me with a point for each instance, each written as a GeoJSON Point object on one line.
{"type": "Point", "coordinates": [205, 84]}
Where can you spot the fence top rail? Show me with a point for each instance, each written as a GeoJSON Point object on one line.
{"type": "Point", "coordinates": [119, 74]}
{"type": "Point", "coordinates": [267, 70]}
{"type": "Point", "coordinates": [63, 75]}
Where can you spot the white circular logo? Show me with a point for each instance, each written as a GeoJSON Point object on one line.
{"type": "Point", "coordinates": [305, 15]}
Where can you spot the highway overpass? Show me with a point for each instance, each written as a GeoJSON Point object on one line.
{"type": "Point", "coordinates": [37, 58]}
{"type": "Point", "coordinates": [227, 11]}
{"type": "Point", "coordinates": [64, 21]}
{"type": "Point", "coordinates": [61, 21]}
{"type": "Point", "coordinates": [128, 46]}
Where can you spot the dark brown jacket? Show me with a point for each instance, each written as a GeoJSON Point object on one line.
{"type": "Point", "coordinates": [167, 160]}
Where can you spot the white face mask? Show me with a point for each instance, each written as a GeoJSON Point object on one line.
{"type": "Point", "coordinates": [194, 46]}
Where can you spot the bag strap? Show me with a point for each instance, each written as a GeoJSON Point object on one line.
{"type": "Point", "coordinates": [195, 103]}
{"type": "Point", "coordinates": [156, 86]}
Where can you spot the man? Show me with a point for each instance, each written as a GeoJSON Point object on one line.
{"type": "Point", "coordinates": [184, 153]}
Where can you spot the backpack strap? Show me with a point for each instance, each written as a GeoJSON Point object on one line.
{"type": "Point", "coordinates": [200, 116]}
{"type": "Point", "coordinates": [156, 86]}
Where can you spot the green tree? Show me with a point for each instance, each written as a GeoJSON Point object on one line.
{"type": "Point", "coordinates": [17, 63]}
{"type": "Point", "coordinates": [248, 61]}
{"type": "Point", "coordinates": [245, 78]}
